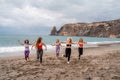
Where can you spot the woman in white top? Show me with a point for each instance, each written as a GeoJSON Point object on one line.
{"type": "Point", "coordinates": [27, 51]}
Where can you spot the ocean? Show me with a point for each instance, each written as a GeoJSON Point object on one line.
{"type": "Point", "coordinates": [9, 45]}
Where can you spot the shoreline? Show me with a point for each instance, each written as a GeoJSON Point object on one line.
{"type": "Point", "coordinates": [99, 63]}
{"type": "Point", "coordinates": [52, 49]}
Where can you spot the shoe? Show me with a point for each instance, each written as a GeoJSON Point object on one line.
{"type": "Point", "coordinates": [68, 62]}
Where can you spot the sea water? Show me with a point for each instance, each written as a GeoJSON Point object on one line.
{"type": "Point", "coordinates": [9, 45]}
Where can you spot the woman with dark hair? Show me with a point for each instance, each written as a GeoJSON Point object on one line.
{"type": "Point", "coordinates": [39, 46]}
{"type": "Point", "coordinates": [26, 45]}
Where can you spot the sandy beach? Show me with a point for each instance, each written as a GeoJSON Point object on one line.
{"type": "Point", "coordinates": [98, 63]}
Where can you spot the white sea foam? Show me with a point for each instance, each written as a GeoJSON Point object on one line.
{"type": "Point", "coordinates": [10, 49]}
{"type": "Point", "coordinates": [20, 48]}
{"type": "Point", "coordinates": [50, 47]}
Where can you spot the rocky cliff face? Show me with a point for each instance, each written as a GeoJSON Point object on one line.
{"type": "Point", "coordinates": [95, 29]}
{"type": "Point", "coordinates": [53, 31]}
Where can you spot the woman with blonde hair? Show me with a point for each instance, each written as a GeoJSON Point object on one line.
{"type": "Point", "coordinates": [39, 46]}
{"type": "Point", "coordinates": [68, 48]}
{"type": "Point", "coordinates": [57, 44]}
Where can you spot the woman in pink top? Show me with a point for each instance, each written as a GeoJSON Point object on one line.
{"type": "Point", "coordinates": [80, 47]}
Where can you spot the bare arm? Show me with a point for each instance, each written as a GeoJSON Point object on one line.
{"type": "Point", "coordinates": [53, 44]}
{"type": "Point", "coordinates": [45, 46]}
{"type": "Point", "coordinates": [74, 43]}
{"type": "Point", "coordinates": [33, 45]}
{"type": "Point", "coordinates": [20, 42]}
{"type": "Point", "coordinates": [63, 41]}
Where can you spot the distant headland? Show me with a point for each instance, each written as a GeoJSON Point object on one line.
{"type": "Point", "coordinates": [109, 29]}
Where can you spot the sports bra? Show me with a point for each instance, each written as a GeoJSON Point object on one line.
{"type": "Point", "coordinates": [68, 44]}
{"type": "Point", "coordinates": [80, 44]}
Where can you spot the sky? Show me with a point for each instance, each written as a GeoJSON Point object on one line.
{"type": "Point", "coordinates": [39, 16]}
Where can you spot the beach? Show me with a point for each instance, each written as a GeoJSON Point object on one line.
{"type": "Point", "coordinates": [96, 63]}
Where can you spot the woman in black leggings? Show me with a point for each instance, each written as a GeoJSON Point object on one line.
{"type": "Point", "coordinates": [80, 47]}
{"type": "Point", "coordinates": [68, 49]}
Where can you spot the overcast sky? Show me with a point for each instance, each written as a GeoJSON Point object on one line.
{"type": "Point", "coordinates": [39, 16]}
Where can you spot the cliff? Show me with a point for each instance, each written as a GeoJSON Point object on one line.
{"type": "Point", "coordinates": [96, 29]}
{"type": "Point", "coordinates": [53, 31]}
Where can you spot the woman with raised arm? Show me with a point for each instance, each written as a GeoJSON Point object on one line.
{"type": "Point", "coordinates": [26, 45]}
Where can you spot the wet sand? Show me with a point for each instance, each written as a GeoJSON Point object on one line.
{"type": "Point", "coordinates": [100, 63]}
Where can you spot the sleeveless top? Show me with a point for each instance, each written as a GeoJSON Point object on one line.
{"type": "Point", "coordinates": [68, 44]}
{"type": "Point", "coordinates": [26, 47]}
{"type": "Point", "coordinates": [80, 44]}
{"type": "Point", "coordinates": [40, 46]}
{"type": "Point", "coordinates": [57, 45]}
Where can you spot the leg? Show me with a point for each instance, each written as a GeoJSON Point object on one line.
{"type": "Point", "coordinates": [69, 54]}
{"type": "Point", "coordinates": [38, 54]}
{"type": "Point", "coordinates": [57, 52]}
{"type": "Point", "coordinates": [25, 53]}
{"type": "Point", "coordinates": [66, 52]}
{"type": "Point", "coordinates": [80, 52]}
{"type": "Point", "coordinates": [41, 54]}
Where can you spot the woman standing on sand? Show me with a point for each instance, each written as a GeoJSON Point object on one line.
{"type": "Point", "coordinates": [27, 51]}
{"type": "Point", "coordinates": [57, 44]}
{"type": "Point", "coordinates": [38, 45]}
{"type": "Point", "coordinates": [68, 48]}
{"type": "Point", "coordinates": [80, 47]}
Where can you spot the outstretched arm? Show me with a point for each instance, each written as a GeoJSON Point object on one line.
{"type": "Point", "coordinates": [33, 45]}
{"type": "Point", "coordinates": [53, 44]}
{"type": "Point", "coordinates": [74, 43]}
{"type": "Point", "coordinates": [20, 42]}
{"type": "Point", "coordinates": [63, 42]}
{"type": "Point", "coordinates": [85, 42]}
{"type": "Point", "coordinates": [45, 46]}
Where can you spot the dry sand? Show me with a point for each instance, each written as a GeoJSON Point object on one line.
{"type": "Point", "coordinates": [101, 63]}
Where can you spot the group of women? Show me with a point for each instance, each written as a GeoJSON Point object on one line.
{"type": "Point", "coordinates": [39, 48]}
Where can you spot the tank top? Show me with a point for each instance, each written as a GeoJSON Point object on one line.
{"type": "Point", "coordinates": [57, 45]}
{"type": "Point", "coordinates": [80, 44]}
{"type": "Point", "coordinates": [40, 46]}
{"type": "Point", "coordinates": [26, 47]}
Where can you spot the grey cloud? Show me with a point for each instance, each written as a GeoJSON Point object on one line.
{"type": "Point", "coordinates": [31, 13]}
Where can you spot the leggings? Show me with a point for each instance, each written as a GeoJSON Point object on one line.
{"type": "Point", "coordinates": [26, 52]}
{"type": "Point", "coordinates": [80, 50]}
{"type": "Point", "coordinates": [57, 51]}
{"type": "Point", "coordinates": [68, 53]}
{"type": "Point", "coordinates": [40, 54]}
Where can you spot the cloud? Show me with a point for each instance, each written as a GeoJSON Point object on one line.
{"type": "Point", "coordinates": [39, 13]}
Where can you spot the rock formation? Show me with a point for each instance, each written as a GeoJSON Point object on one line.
{"type": "Point", "coordinates": [54, 31]}
{"type": "Point", "coordinates": [96, 29]}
